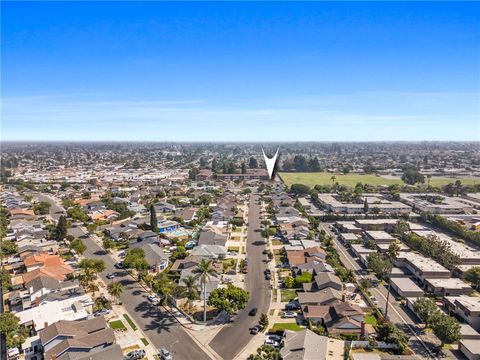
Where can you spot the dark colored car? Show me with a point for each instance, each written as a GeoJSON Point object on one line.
{"type": "Point", "coordinates": [255, 330]}
{"type": "Point", "coordinates": [253, 312]}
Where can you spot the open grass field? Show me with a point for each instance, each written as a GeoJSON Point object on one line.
{"type": "Point", "coordinates": [325, 178]}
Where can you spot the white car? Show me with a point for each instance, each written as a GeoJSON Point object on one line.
{"type": "Point", "coordinates": [289, 314]}
{"type": "Point", "coordinates": [153, 298]}
{"type": "Point", "coordinates": [165, 354]}
{"type": "Point", "coordinates": [272, 342]}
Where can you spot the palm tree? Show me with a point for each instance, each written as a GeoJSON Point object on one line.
{"type": "Point", "coordinates": [429, 176]}
{"type": "Point", "coordinates": [205, 272]}
{"type": "Point", "coordinates": [163, 285]}
{"type": "Point", "coordinates": [190, 290]}
{"type": "Point", "coordinates": [115, 289]}
{"type": "Point", "coordinates": [392, 254]}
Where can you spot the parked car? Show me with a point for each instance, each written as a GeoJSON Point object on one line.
{"type": "Point", "coordinates": [135, 354]}
{"type": "Point", "coordinates": [289, 314]}
{"type": "Point", "coordinates": [292, 306]}
{"type": "Point", "coordinates": [374, 300]}
{"type": "Point", "coordinates": [119, 265]}
{"type": "Point", "coordinates": [102, 312]}
{"type": "Point", "coordinates": [245, 270]}
{"type": "Point", "coordinates": [255, 330]}
{"type": "Point", "coordinates": [110, 276]}
{"type": "Point", "coordinates": [268, 277]}
{"type": "Point", "coordinates": [253, 312]}
{"type": "Point", "coordinates": [275, 337]}
{"type": "Point", "coordinates": [267, 271]}
{"type": "Point", "coordinates": [272, 342]}
{"type": "Point", "coordinates": [165, 354]}
{"type": "Point", "coordinates": [153, 298]}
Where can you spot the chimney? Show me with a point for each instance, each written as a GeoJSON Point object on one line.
{"type": "Point", "coordinates": [54, 357]}
{"type": "Point", "coordinates": [344, 297]}
{"type": "Point", "coordinates": [45, 324]}
{"type": "Point", "coordinates": [362, 330]}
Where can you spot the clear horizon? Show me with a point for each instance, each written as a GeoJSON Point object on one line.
{"type": "Point", "coordinates": [240, 72]}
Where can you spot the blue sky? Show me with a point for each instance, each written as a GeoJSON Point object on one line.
{"type": "Point", "coordinates": [249, 71]}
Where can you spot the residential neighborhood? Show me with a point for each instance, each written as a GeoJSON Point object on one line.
{"type": "Point", "coordinates": [182, 263]}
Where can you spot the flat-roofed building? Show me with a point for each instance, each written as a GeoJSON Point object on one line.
{"type": "Point", "coordinates": [448, 287]}
{"type": "Point", "coordinates": [405, 287]}
{"type": "Point", "coordinates": [348, 227]}
{"type": "Point", "coordinates": [422, 267]}
{"type": "Point", "coordinates": [466, 307]}
{"type": "Point", "coordinates": [349, 237]}
{"type": "Point", "coordinates": [435, 203]}
{"type": "Point", "coordinates": [376, 224]}
{"type": "Point", "coordinates": [467, 254]}
{"type": "Point", "coordinates": [380, 237]}
{"type": "Point", "coordinates": [470, 348]}
{"type": "Point", "coordinates": [331, 203]}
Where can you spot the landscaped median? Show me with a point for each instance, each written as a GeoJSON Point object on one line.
{"type": "Point", "coordinates": [130, 322]}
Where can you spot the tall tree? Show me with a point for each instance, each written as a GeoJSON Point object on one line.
{"type": "Point", "coordinates": [392, 253]}
{"type": "Point", "coordinates": [78, 246]}
{"type": "Point", "coordinates": [473, 276]}
{"type": "Point", "coordinates": [61, 229]}
{"type": "Point", "coordinates": [205, 272]}
{"type": "Point", "coordinates": [153, 218]}
{"type": "Point", "coordinates": [365, 206]}
{"type": "Point", "coordinates": [252, 163]}
{"type": "Point", "coordinates": [458, 187]}
{"type": "Point", "coordinates": [426, 309]}
{"type": "Point", "coordinates": [446, 328]}
{"type": "Point", "coordinates": [10, 328]}
{"type": "Point", "coordinates": [190, 290]}
{"type": "Point", "coordinates": [333, 178]}
{"type": "Point", "coordinates": [115, 289]}
{"type": "Point", "coordinates": [244, 168]}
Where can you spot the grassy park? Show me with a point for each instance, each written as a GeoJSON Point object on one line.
{"type": "Point", "coordinates": [325, 178]}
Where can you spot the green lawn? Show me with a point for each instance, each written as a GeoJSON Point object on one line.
{"type": "Point", "coordinates": [117, 325]}
{"type": "Point", "coordinates": [130, 322]}
{"type": "Point", "coordinates": [286, 326]}
{"type": "Point", "coordinates": [325, 178]}
{"type": "Point", "coordinates": [370, 319]}
{"type": "Point", "coordinates": [144, 341]}
{"type": "Point", "coordinates": [288, 295]}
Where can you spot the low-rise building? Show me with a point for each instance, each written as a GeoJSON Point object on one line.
{"type": "Point", "coordinates": [466, 307]}
{"type": "Point", "coordinates": [307, 345]}
{"type": "Point", "coordinates": [448, 287]}
{"type": "Point", "coordinates": [405, 287]}
{"type": "Point", "coordinates": [421, 267]}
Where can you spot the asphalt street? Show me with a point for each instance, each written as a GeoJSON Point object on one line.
{"type": "Point", "coordinates": [397, 314]}
{"type": "Point", "coordinates": [55, 210]}
{"type": "Point", "coordinates": [161, 328]}
{"type": "Point", "coordinates": [236, 335]}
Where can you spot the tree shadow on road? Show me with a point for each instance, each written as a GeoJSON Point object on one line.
{"type": "Point", "coordinates": [159, 321]}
